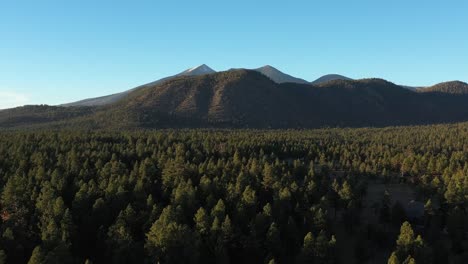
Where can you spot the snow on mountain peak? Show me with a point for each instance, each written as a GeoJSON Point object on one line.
{"type": "Point", "coordinates": [202, 69]}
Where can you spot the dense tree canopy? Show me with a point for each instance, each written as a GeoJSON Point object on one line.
{"type": "Point", "coordinates": [230, 196]}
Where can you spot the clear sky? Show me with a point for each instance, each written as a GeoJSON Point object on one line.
{"type": "Point", "coordinates": [54, 52]}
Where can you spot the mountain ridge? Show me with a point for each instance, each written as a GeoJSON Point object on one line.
{"type": "Point", "coordinates": [249, 99]}
{"type": "Point", "coordinates": [451, 87]}
{"type": "Point", "coordinates": [330, 77]}
{"type": "Point", "coordinates": [279, 76]}
{"type": "Point", "coordinates": [267, 70]}
{"type": "Point", "coordinates": [112, 98]}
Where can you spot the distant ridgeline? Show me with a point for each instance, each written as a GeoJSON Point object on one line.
{"type": "Point", "coordinates": [261, 98]}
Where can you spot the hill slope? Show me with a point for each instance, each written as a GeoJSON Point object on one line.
{"type": "Point", "coordinates": [455, 87]}
{"type": "Point", "coordinates": [249, 99]}
{"type": "Point", "coordinates": [112, 98]}
{"type": "Point", "coordinates": [32, 115]}
{"type": "Point", "coordinates": [278, 76]}
{"type": "Point", "coordinates": [330, 77]}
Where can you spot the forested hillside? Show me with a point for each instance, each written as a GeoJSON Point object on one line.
{"type": "Point", "coordinates": [448, 88]}
{"type": "Point", "coordinates": [249, 99]}
{"type": "Point", "coordinates": [234, 196]}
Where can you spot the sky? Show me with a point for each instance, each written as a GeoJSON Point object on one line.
{"type": "Point", "coordinates": [53, 52]}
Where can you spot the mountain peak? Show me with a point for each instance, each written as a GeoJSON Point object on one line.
{"type": "Point", "coordinates": [247, 99]}
{"type": "Point", "coordinates": [278, 76]}
{"type": "Point", "coordinates": [201, 69]}
{"type": "Point", "coordinates": [330, 77]}
{"type": "Point", "coordinates": [268, 67]}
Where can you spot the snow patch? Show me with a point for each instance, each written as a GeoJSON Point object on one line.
{"type": "Point", "coordinates": [200, 68]}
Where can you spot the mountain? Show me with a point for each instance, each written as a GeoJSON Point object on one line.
{"type": "Point", "coordinates": [33, 115]}
{"type": "Point", "coordinates": [249, 99]}
{"type": "Point", "coordinates": [109, 99]}
{"type": "Point", "coordinates": [267, 70]}
{"type": "Point", "coordinates": [412, 88]}
{"type": "Point", "coordinates": [454, 87]}
{"type": "Point", "coordinates": [330, 77]}
{"type": "Point", "coordinates": [278, 76]}
{"type": "Point", "coordinates": [101, 100]}
{"type": "Point", "coordinates": [199, 70]}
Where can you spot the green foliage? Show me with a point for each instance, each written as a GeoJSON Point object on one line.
{"type": "Point", "coordinates": [202, 221]}
{"type": "Point", "coordinates": [170, 242]}
{"type": "Point", "coordinates": [248, 196]}
{"type": "Point", "coordinates": [346, 193]}
{"type": "Point", "coordinates": [3, 257]}
{"type": "Point", "coordinates": [393, 259]}
{"type": "Point", "coordinates": [406, 238]}
{"type": "Point", "coordinates": [37, 257]}
{"type": "Point", "coordinates": [409, 249]}
{"type": "Point", "coordinates": [228, 196]}
{"type": "Point", "coordinates": [308, 248]}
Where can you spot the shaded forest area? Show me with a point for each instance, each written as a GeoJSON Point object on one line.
{"type": "Point", "coordinates": [232, 196]}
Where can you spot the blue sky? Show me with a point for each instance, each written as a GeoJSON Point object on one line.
{"type": "Point", "coordinates": [54, 52]}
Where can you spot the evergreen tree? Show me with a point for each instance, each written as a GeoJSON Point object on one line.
{"type": "Point", "coordinates": [121, 243]}
{"type": "Point", "coordinates": [177, 196]}
{"type": "Point", "coordinates": [219, 210]}
{"type": "Point", "coordinates": [227, 230]}
{"type": "Point", "coordinates": [393, 259]}
{"type": "Point", "coordinates": [38, 256]}
{"type": "Point", "coordinates": [308, 249]}
{"type": "Point", "coordinates": [202, 222]}
{"type": "Point", "coordinates": [405, 239]}
{"type": "Point", "coordinates": [170, 242]}
{"type": "Point", "coordinates": [273, 241]}
{"type": "Point", "coordinates": [346, 193]}
{"type": "Point", "coordinates": [3, 257]}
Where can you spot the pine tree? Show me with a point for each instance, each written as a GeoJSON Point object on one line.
{"type": "Point", "coordinates": [3, 257]}
{"type": "Point", "coordinates": [268, 176]}
{"type": "Point", "coordinates": [120, 239]}
{"type": "Point", "coordinates": [321, 246]}
{"type": "Point", "coordinates": [38, 256]}
{"type": "Point", "coordinates": [346, 193]}
{"type": "Point", "coordinates": [406, 238]}
{"type": "Point", "coordinates": [219, 210]}
{"type": "Point", "coordinates": [201, 220]}
{"type": "Point", "coordinates": [308, 249]}
{"type": "Point", "coordinates": [248, 196]}
{"type": "Point", "coordinates": [215, 226]}
{"type": "Point", "coordinates": [273, 240]}
{"type": "Point", "coordinates": [227, 231]}
{"type": "Point", "coordinates": [67, 227]}
{"type": "Point", "coordinates": [393, 258]}
{"type": "Point", "coordinates": [170, 242]}
{"type": "Point", "coordinates": [455, 193]}
{"type": "Point", "coordinates": [421, 251]}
